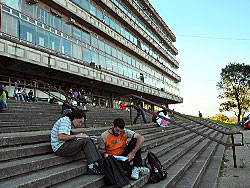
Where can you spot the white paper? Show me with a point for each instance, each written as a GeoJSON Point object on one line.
{"type": "Point", "coordinates": [120, 158]}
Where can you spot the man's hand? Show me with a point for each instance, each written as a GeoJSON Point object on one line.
{"type": "Point", "coordinates": [81, 135]}
{"type": "Point", "coordinates": [105, 155]}
{"type": "Point", "coordinates": [131, 156]}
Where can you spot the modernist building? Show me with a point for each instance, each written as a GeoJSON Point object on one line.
{"type": "Point", "coordinates": [108, 47]}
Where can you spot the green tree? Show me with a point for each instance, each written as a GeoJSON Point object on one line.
{"type": "Point", "coordinates": [234, 87]}
{"type": "Point", "coordinates": [221, 117]}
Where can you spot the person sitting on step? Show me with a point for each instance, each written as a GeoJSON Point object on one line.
{"type": "Point", "coordinates": [160, 121]}
{"type": "Point", "coordinates": [65, 144]}
{"type": "Point", "coordinates": [114, 142]}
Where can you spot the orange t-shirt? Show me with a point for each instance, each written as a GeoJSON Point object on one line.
{"type": "Point", "coordinates": [115, 145]}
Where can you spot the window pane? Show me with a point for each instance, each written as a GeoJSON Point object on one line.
{"type": "Point", "coordinates": [115, 68]}
{"type": "Point", "coordinates": [55, 22]}
{"type": "Point", "coordinates": [77, 2]}
{"type": "Point", "coordinates": [12, 3]}
{"type": "Point", "coordinates": [42, 37]}
{"type": "Point", "coordinates": [117, 27]}
{"type": "Point", "coordinates": [27, 31]}
{"type": "Point", "coordinates": [92, 9]}
{"type": "Point", "coordinates": [85, 4]}
{"type": "Point", "coordinates": [67, 47]}
{"type": "Point", "coordinates": [85, 37]}
{"type": "Point", "coordinates": [101, 45]}
{"type": "Point", "coordinates": [112, 23]}
{"type": "Point", "coordinates": [114, 52]}
{"type": "Point", "coordinates": [125, 70]}
{"type": "Point", "coordinates": [9, 24]}
{"type": "Point", "coordinates": [86, 55]}
{"type": "Point", "coordinates": [119, 54]}
{"type": "Point", "coordinates": [102, 61]}
{"type": "Point", "coordinates": [42, 15]}
{"type": "Point", "coordinates": [99, 14]}
{"type": "Point", "coordinates": [77, 33]}
{"type": "Point", "coordinates": [67, 28]}
{"type": "Point", "coordinates": [27, 9]}
{"type": "Point", "coordinates": [95, 57]}
{"type": "Point", "coordinates": [106, 19]}
{"type": "Point", "coordinates": [55, 42]}
{"type": "Point", "coordinates": [94, 42]}
{"type": "Point", "coordinates": [120, 68]}
{"type": "Point", "coordinates": [109, 64]}
{"type": "Point", "coordinates": [77, 51]}
{"type": "Point", "coordinates": [108, 49]}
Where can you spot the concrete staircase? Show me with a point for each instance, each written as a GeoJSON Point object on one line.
{"type": "Point", "coordinates": [26, 158]}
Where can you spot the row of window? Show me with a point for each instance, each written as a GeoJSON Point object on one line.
{"type": "Point", "coordinates": [79, 44]}
{"type": "Point", "coordinates": [89, 6]}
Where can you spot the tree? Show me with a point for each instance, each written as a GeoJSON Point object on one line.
{"type": "Point", "coordinates": [221, 117]}
{"type": "Point", "coordinates": [234, 87]}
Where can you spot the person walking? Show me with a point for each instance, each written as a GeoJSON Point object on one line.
{"type": "Point", "coordinates": [140, 103]}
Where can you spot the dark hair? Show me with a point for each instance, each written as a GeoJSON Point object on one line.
{"type": "Point", "coordinates": [76, 114]}
{"type": "Point", "coordinates": [118, 122]}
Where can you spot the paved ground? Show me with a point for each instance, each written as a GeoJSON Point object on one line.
{"type": "Point", "coordinates": [231, 177]}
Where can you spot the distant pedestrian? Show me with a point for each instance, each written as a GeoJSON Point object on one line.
{"type": "Point", "coordinates": [200, 115]}
{"type": "Point", "coordinates": [140, 103]}
{"type": "Point", "coordinates": [2, 99]}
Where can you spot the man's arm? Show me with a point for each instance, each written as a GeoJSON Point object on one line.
{"type": "Point", "coordinates": [139, 142]}
{"type": "Point", "coordinates": [65, 137]}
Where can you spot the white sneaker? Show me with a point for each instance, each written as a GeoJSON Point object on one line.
{"type": "Point", "coordinates": [143, 170]}
{"type": "Point", "coordinates": [135, 173]}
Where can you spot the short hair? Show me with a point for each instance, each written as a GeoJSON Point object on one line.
{"type": "Point", "coordinates": [76, 114]}
{"type": "Point", "coordinates": [119, 122]}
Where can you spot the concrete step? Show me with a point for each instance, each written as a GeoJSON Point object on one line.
{"type": "Point", "coordinates": [177, 161]}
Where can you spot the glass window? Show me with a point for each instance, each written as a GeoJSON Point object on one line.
{"type": "Point", "coordinates": [92, 9]}
{"type": "Point", "coordinates": [125, 70]}
{"type": "Point", "coordinates": [94, 42]}
{"type": "Point", "coordinates": [123, 31]}
{"type": "Point", "coordinates": [28, 9]}
{"type": "Point", "coordinates": [120, 68]}
{"type": "Point", "coordinates": [108, 49]}
{"type": "Point", "coordinates": [99, 14]}
{"type": "Point", "coordinates": [117, 27]}
{"type": "Point", "coordinates": [86, 55]}
{"type": "Point", "coordinates": [115, 68]}
{"type": "Point", "coordinates": [42, 15]}
{"type": "Point", "coordinates": [67, 47]}
{"type": "Point", "coordinates": [95, 57]}
{"type": "Point", "coordinates": [77, 2]}
{"type": "Point", "coordinates": [116, 2]}
{"type": "Point", "coordinates": [130, 72]}
{"type": "Point", "coordinates": [119, 54]}
{"type": "Point", "coordinates": [42, 37]}
{"type": "Point", "coordinates": [55, 22]}
{"type": "Point", "coordinates": [86, 37]}
{"type": "Point", "coordinates": [109, 63]}
{"type": "Point", "coordinates": [112, 23]}
{"type": "Point", "coordinates": [114, 54]}
{"type": "Point", "coordinates": [10, 24]}
{"type": "Point", "coordinates": [55, 42]}
{"type": "Point", "coordinates": [12, 3]}
{"type": "Point", "coordinates": [129, 60]}
{"type": "Point", "coordinates": [27, 31]}
{"type": "Point", "coordinates": [123, 8]}
{"type": "Point", "coordinates": [133, 63]}
{"type": "Point", "coordinates": [102, 61]}
{"type": "Point", "coordinates": [66, 28]}
{"type": "Point", "coordinates": [76, 33]}
{"type": "Point", "coordinates": [101, 45]}
{"type": "Point", "coordinates": [125, 58]}
{"type": "Point", "coordinates": [85, 4]}
{"type": "Point", "coordinates": [106, 19]}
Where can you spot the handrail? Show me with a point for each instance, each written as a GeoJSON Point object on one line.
{"type": "Point", "coordinates": [190, 129]}
{"type": "Point", "coordinates": [61, 92]}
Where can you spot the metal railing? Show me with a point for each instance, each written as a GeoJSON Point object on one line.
{"type": "Point", "coordinates": [233, 145]}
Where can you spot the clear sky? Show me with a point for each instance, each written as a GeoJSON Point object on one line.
{"type": "Point", "coordinates": [210, 34]}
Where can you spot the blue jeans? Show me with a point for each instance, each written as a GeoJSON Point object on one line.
{"type": "Point", "coordinates": [140, 112]}
{"type": "Point", "coordinates": [20, 96]}
{"type": "Point", "coordinates": [2, 105]}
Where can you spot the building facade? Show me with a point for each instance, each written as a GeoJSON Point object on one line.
{"type": "Point", "coordinates": [108, 47]}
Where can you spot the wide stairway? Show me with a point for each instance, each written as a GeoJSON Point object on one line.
{"type": "Point", "coordinates": [26, 158]}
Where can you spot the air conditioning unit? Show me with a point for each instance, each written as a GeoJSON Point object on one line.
{"type": "Point", "coordinates": [92, 64]}
{"type": "Point", "coordinates": [71, 20]}
{"type": "Point", "coordinates": [31, 2]}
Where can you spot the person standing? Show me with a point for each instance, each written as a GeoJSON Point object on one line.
{"type": "Point", "coordinates": [140, 103]}
{"type": "Point", "coordinates": [3, 103]}
{"type": "Point", "coordinates": [65, 144]}
{"type": "Point", "coordinates": [200, 115]}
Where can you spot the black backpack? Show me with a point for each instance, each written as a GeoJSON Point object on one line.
{"type": "Point", "coordinates": [113, 172]}
{"type": "Point", "coordinates": [157, 171]}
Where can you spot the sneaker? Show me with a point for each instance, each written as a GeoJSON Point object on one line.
{"type": "Point", "coordinates": [135, 173]}
{"type": "Point", "coordinates": [143, 170]}
{"type": "Point", "coordinates": [94, 171]}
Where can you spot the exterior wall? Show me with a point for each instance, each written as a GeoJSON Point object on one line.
{"type": "Point", "coordinates": [118, 58]}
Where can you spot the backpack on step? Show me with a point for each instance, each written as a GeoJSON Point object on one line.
{"type": "Point", "coordinates": [157, 171]}
{"type": "Point", "coordinates": [154, 117]}
{"type": "Point", "coordinates": [113, 172]}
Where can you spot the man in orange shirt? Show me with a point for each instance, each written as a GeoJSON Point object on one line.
{"type": "Point", "coordinates": [114, 142]}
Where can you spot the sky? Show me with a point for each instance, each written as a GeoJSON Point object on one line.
{"type": "Point", "coordinates": [210, 34]}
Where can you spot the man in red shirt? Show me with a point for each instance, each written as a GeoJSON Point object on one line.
{"type": "Point", "coordinates": [114, 142]}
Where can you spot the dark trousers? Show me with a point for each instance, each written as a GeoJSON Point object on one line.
{"type": "Point", "coordinates": [75, 146]}
{"type": "Point", "coordinates": [137, 161]}
{"type": "Point", "coordinates": [140, 112]}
